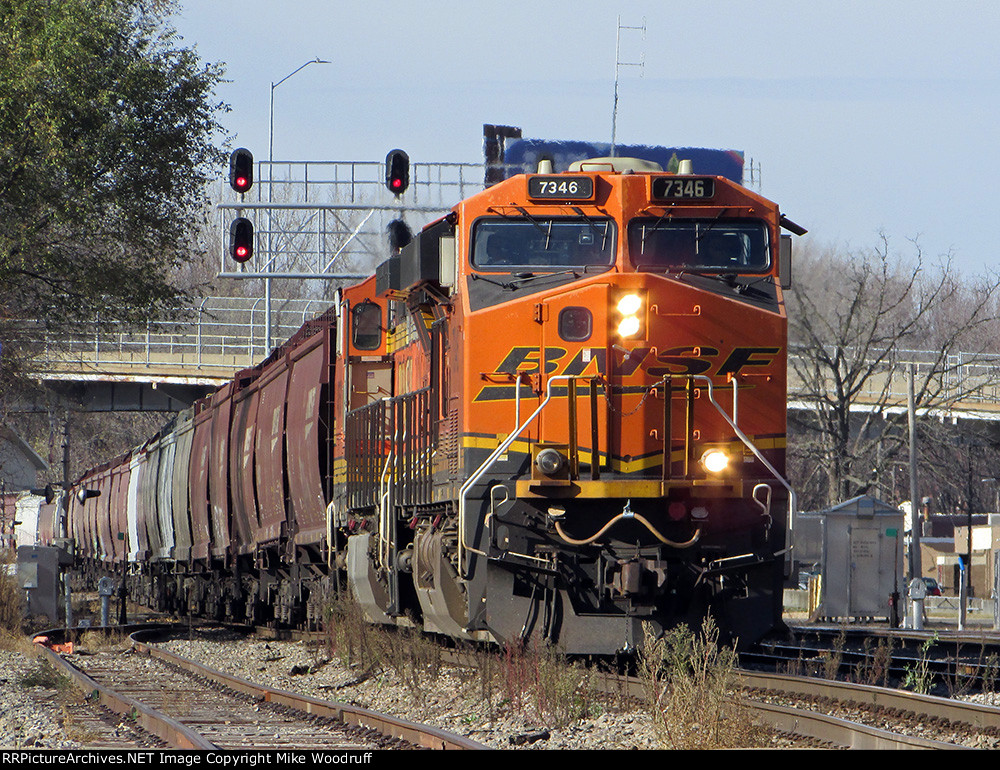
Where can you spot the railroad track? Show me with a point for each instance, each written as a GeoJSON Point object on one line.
{"type": "Point", "coordinates": [866, 717]}
{"type": "Point", "coordinates": [814, 712]}
{"type": "Point", "coordinates": [946, 664]}
{"type": "Point", "coordinates": [825, 713]}
{"type": "Point", "coordinates": [176, 703]}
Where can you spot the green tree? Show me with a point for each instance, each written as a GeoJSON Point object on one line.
{"type": "Point", "coordinates": [108, 131]}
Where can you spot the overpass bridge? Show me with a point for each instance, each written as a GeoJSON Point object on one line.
{"type": "Point", "coordinates": [167, 366]}
{"type": "Point", "coordinates": [170, 364]}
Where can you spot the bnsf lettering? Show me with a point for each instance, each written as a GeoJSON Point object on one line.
{"type": "Point", "coordinates": [683, 361]}
{"type": "Point", "coordinates": [524, 360]}
{"type": "Point", "coordinates": [741, 357]}
{"type": "Point", "coordinates": [679, 361]}
{"type": "Point", "coordinates": [588, 361]}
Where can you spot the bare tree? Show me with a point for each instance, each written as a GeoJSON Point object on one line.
{"type": "Point", "coordinates": [855, 323]}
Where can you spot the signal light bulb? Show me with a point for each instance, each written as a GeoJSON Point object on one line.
{"type": "Point", "coordinates": [241, 251]}
{"type": "Point", "coordinates": [241, 182]}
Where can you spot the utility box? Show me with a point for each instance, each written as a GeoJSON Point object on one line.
{"type": "Point", "coordinates": [38, 576]}
{"type": "Point", "coordinates": [861, 561]}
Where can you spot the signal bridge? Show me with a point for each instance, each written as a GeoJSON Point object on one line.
{"type": "Point", "coordinates": [328, 220]}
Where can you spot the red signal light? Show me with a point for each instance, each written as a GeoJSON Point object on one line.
{"type": "Point", "coordinates": [241, 170]}
{"type": "Point", "coordinates": [397, 172]}
{"type": "Point", "coordinates": [241, 239]}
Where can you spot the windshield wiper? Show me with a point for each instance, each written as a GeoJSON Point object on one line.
{"type": "Point", "coordinates": [593, 226]}
{"type": "Point", "coordinates": [501, 284]}
{"type": "Point", "coordinates": [520, 278]}
{"type": "Point", "coordinates": [523, 278]}
{"type": "Point", "coordinates": [546, 231]}
{"type": "Point", "coordinates": [715, 219]}
{"type": "Point", "coordinates": [667, 213]}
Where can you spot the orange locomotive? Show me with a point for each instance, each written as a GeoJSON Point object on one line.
{"type": "Point", "coordinates": [557, 414]}
{"type": "Point", "coordinates": [564, 413]}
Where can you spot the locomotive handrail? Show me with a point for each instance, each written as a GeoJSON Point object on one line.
{"type": "Point", "coordinates": [792, 498]}
{"type": "Point", "coordinates": [505, 444]}
{"type": "Point", "coordinates": [383, 515]}
{"type": "Point", "coordinates": [488, 463]}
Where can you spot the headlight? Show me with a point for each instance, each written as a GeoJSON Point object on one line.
{"type": "Point", "coordinates": [715, 460]}
{"type": "Point", "coordinates": [632, 311]}
{"type": "Point", "coordinates": [629, 326]}
{"type": "Point", "coordinates": [630, 304]}
{"type": "Point", "coordinates": [550, 462]}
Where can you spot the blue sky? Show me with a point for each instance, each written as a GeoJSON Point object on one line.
{"type": "Point", "coordinates": [865, 117]}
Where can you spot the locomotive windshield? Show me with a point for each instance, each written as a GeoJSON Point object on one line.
{"type": "Point", "coordinates": [738, 246]}
{"type": "Point", "coordinates": [543, 244]}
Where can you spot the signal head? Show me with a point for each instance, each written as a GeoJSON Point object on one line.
{"type": "Point", "coordinates": [397, 172]}
{"type": "Point", "coordinates": [241, 239]}
{"type": "Point", "coordinates": [399, 234]}
{"type": "Point", "coordinates": [241, 170]}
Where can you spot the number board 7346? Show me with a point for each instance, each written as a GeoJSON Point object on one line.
{"type": "Point", "coordinates": [683, 188]}
{"type": "Point", "coordinates": [561, 187]}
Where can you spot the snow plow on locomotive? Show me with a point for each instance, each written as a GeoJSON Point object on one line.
{"type": "Point", "coordinates": [557, 414]}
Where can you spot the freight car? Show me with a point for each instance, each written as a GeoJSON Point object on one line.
{"type": "Point", "coordinates": [557, 414]}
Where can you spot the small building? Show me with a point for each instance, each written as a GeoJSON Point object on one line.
{"type": "Point", "coordinates": [937, 557]}
{"type": "Point", "coordinates": [985, 555]}
{"type": "Point", "coordinates": [856, 548]}
{"type": "Point", "coordinates": [19, 464]}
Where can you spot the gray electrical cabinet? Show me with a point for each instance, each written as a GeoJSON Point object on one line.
{"type": "Point", "coordinates": [38, 576]}
{"type": "Point", "coordinates": [861, 560]}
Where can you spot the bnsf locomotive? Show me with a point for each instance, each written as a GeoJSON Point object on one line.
{"type": "Point", "coordinates": [557, 414]}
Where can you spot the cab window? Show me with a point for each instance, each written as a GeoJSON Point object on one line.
{"type": "Point", "coordinates": [366, 326]}
{"type": "Point", "coordinates": [737, 246]}
{"type": "Point", "coordinates": [543, 244]}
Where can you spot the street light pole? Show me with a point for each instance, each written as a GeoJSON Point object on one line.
{"type": "Point", "coordinates": [268, 339]}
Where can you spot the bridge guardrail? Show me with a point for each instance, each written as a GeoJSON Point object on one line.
{"type": "Point", "coordinates": [221, 336]}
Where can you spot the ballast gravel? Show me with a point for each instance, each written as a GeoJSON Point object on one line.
{"type": "Point", "coordinates": [454, 699]}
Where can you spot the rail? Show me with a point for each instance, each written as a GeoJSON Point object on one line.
{"type": "Point", "coordinates": [177, 735]}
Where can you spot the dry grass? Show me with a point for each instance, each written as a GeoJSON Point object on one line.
{"type": "Point", "coordinates": [350, 637]}
{"type": "Point", "coordinates": [533, 681]}
{"type": "Point", "coordinates": [11, 599]}
{"type": "Point", "coordinates": [103, 641]}
{"type": "Point", "coordinates": [539, 682]}
{"type": "Point", "coordinates": [691, 688]}
{"type": "Point", "coordinates": [44, 674]}
{"type": "Point", "coordinates": [875, 668]}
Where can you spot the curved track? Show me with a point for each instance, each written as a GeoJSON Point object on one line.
{"type": "Point", "coordinates": [189, 706]}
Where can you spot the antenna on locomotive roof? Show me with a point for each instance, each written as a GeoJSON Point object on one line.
{"type": "Point", "coordinates": [618, 64]}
